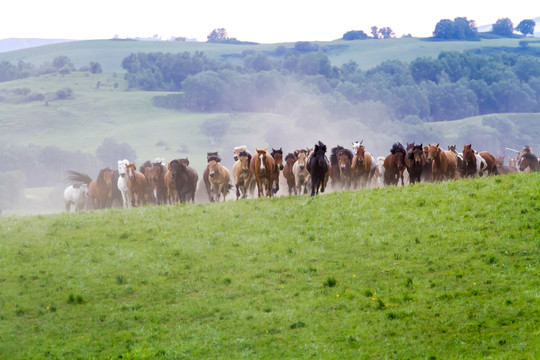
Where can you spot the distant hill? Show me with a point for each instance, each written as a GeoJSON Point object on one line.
{"type": "Point", "coordinates": [13, 44]}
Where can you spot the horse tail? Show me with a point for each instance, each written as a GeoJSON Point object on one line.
{"type": "Point", "coordinates": [75, 177]}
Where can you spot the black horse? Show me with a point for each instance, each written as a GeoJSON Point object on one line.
{"type": "Point", "coordinates": [318, 167]}
{"type": "Point", "coordinates": [185, 178]}
{"type": "Point", "coordinates": [414, 162]}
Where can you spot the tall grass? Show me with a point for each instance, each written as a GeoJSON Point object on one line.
{"type": "Point", "coordinates": [446, 270]}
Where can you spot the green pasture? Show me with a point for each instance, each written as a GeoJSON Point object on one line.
{"type": "Point", "coordinates": [366, 53]}
{"type": "Point", "coordinates": [430, 271]}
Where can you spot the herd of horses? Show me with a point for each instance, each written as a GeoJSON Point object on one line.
{"type": "Point", "coordinates": [303, 170]}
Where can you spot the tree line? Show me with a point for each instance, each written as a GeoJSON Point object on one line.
{"type": "Point", "coordinates": [451, 86]}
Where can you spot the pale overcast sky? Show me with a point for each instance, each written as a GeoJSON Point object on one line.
{"type": "Point", "coordinates": [248, 20]}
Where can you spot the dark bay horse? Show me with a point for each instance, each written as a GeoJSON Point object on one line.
{"type": "Point", "coordinates": [414, 162]}
{"type": "Point", "coordinates": [334, 173]}
{"type": "Point", "coordinates": [394, 165]}
{"type": "Point", "coordinates": [318, 167]}
{"type": "Point", "coordinates": [530, 161]}
{"type": "Point", "coordinates": [278, 161]}
{"type": "Point", "coordinates": [288, 174]}
{"type": "Point", "coordinates": [345, 157]}
{"type": "Point", "coordinates": [262, 165]}
{"type": "Point", "coordinates": [185, 179]}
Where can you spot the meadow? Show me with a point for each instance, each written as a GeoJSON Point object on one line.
{"type": "Point", "coordinates": [431, 271]}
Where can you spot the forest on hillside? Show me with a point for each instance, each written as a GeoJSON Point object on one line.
{"type": "Point", "coordinates": [452, 86]}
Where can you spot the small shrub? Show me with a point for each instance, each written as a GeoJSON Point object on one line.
{"type": "Point", "coordinates": [409, 282]}
{"type": "Point", "coordinates": [75, 299]}
{"type": "Point", "coordinates": [298, 325]}
{"type": "Point", "coordinates": [368, 293]}
{"type": "Point", "coordinates": [380, 304]}
{"type": "Point", "coordinates": [227, 281]}
{"type": "Point", "coordinates": [330, 282]}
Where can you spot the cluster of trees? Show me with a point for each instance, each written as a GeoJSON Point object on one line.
{"type": "Point", "coordinates": [376, 33]}
{"type": "Point", "coordinates": [463, 29]}
{"type": "Point", "coordinates": [452, 86]}
{"type": "Point", "coordinates": [220, 36]}
{"type": "Point", "coordinates": [61, 65]}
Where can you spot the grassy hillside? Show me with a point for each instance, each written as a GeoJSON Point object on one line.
{"type": "Point", "coordinates": [367, 53]}
{"type": "Point", "coordinates": [448, 270]}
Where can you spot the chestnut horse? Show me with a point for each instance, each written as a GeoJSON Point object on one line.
{"type": "Point", "coordinates": [288, 174]}
{"type": "Point", "coordinates": [263, 166]}
{"type": "Point", "coordinates": [278, 161]}
{"type": "Point", "coordinates": [443, 163]}
{"type": "Point", "coordinates": [319, 168]}
{"type": "Point", "coordinates": [334, 172]}
{"type": "Point", "coordinates": [363, 167]}
{"type": "Point", "coordinates": [394, 165]}
{"type": "Point", "coordinates": [219, 178]}
{"type": "Point", "coordinates": [345, 157]}
{"type": "Point", "coordinates": [301, 174]}
{"type": "Point", "coordinates": [136, 183]}
{"type": "Point", "coordinates": [414, 162]}
{"type": "Point", "coordinates": [156, 176]}
{"type": "Point", "coordinates": [476, 163]}
{"type": "Point", "coordinates": [99, 190]}
{"type": "Point", "coordinates": [243, 176]}
{"type": "Point", "coordinates": [206, 178]}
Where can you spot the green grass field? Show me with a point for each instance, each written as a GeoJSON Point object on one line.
{"type": "Point", "coordinates": [431, 271]}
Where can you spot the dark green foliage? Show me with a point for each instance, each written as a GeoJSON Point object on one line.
{"type": "Point", "coordinates": [330, 282]}
{"type": "Point", "coordinates": [526, 27]}
{"type": "Point", "coordinates": [459, 29]}
{"type": "Point", "coordinates": [503, 27]}
{"type": "Point", "coordinates": [355, 35]}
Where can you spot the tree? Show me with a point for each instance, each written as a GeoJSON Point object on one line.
{"type": "Point", "coordinates": [386, 33]}
{"type": "Point", "coordinates": [218, 35]}
{"type": "Point", "coordinates": [503, 27]}
{"type": "Point", "coordinates": [526, 27]}
{"type": "Point", "coordinates": [459, 29]}
{"type": "Point", "coordinates": [111, 151]}
{"type": "Point", "coordinates": [355, 35]}
{"type": "Point", "coordinates": [375, 32]}
{"type": "Point", "coordinates": [95, 67]}
{"type": "Point", "coordinates": [444, 29]}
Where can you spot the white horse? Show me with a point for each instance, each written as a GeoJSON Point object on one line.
{"type": "Point", "coordinates": [122, 182]}
{"type": "Point", "coordinates": [481, 164]}
{"type": "Point", "coordinates": [76, 195]}
{"type": "Point", "coordinates": [380, 166]}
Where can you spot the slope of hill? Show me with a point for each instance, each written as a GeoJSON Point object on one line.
{"type": "Point", "coordinates": [367, 53]}
{"type": "Point", "coordinates": [13, 44]}
{"type": "Point", "coordinates": [448, 270]}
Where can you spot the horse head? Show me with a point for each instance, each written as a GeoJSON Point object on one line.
{"type": "Point", "coordinates": [433, 151]}
{"type": "Point", "coordinates": [418, 155]}
{"type": "Point", "coordinates": [244, 157]}
{"type": "Point", "coordinates": [130, 170]}
{"type": "Point", "coordinates": [104, 178]}
{"type": "Point", "coordinates": [278, 157]}
{"type": "Point", "coordinates": [237, 150]}
{"type": "Point", "coordinates": [122, 167]}
{"type": "Point", "coordinates": [468, 155]}
{"type": "Point", "coordinates": [344, 159]}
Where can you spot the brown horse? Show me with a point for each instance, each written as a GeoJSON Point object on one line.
{"type": "Point", "coordinates": [263, 166]}
{"type": "Point", "coordinates": [345, 157]}
{"type": "Point", "coordinates": [136, 183]}
{"type": "Point", "coordinates": [99, 190]}
{"type": "Point", "coordinates": [185, 179]}
{"type": "Point", "coordinates": [243, 176]}
{"type": "Point", "coordinates": [334, 172]}
{"type": "Point", "coordinates": [427, 169]}
{"type": "Point", "coordinates": [414, 162]}
{"type": "Point", "coordinates": [443, 163]}
{"type": "Point", "coordinates": [530, 161]}
{"type": "Point", "coordinates": [219, 178]}
{"type": "Point", "coordinates": [156, 176]}
{"type": "Point", "coordinates": [172, 194]}
{"type": "Point", "coordinates": [363, 167]}
{"type": "Point", "coordinates": [394, 165]}
{"type": "Point", "coordinates": [300, 172]}
{"type": "Point", "coordinates": [206, 178]}
{"type": "Point", "coordinates": [278, 161]}
{"type": "Point", "coordinates": [476, 163]}
{"type": "Point", "coordinates": [288, 174]}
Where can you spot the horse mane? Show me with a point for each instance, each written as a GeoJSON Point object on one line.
{"type": "Point", "coordinates": [243, 153]}
{"type": "Point", "coordinates": [530, 157]}
{"type": "Point", "coordinates": [75, 177]}
{"type": "Point", "coordinates": [334, 153]}
{"type": "Point", "coordinates": [347, 153]}
{"type": "Point", "coordinates": [274, 151]}
{"type": "Point", "coordinates": [526, 149]}
{"type": "Point", "coordinates": [146, 164]}
{"type": "Point", "coordinates": [213, 156]}
{"type": "Point", "coordinates": [397, 147]}
{"type": "Point", "coordinates": [184, 161]}
{"type": "Point", "coordinates": [290, 156]}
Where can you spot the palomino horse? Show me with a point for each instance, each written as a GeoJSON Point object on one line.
{"type": "Point", "coordinates": [136, 183]}
{"type": "Point", "coordinates": [99, 190]}
{"type": "Point", "coordinates": [529, 161]}
{"type": "Point", "coordinates": [345, 157]}
{"type": "Point", "coordinates": [300, 172]}
{"type": "Point", "coordinates": [243, 176]}
{"type": "Point", "coordinates": [238, 149]}
{"type": "Point", "coordinates": [415, 161]}
{"type": "Point", "coordinates": [288, 174]}
{"type": "Point", "coordinates": [76, 195]}
{"type": "Point", "coordinates": [263, 166]}
{"type": "Point", "coordinates": [184, 178]}
{"type": "Point", "coordinates": [363, 166]}
{"type": "Point", "coordinates": [219, 178]}
{"type": "Point", "coordinates": [481, 160]}
{"type": "Point", "coordinates": [443, 163]}
{"type": "Point", "coordinates": [394, 165]}
{"type": "Point", "coordinates": [122, 182]}
{"type": "Point", "coordinates": [278, 161]}
{"type": "Point", "coordinates": [319, 168]}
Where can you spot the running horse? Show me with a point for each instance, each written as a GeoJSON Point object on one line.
{"type": "Point", "coordinates": [414, 162]}
{"type": "Point", "coordinates": [156, 176]}
{"type": "Point", "coordinates": [277, 155]}
{"type": "Point", "coordinates": [301, 174]}
{"type": "Point", "coordinates": [345, 157]}
{"type": "Point", "coordinates": [475, 163]}
{"type": "Point", "coordinates": [363, 166]}
{"type": "Point", "coordinates": [288, 174]}
{"type": "Point", "coordinates": [530, 161]}
{"type": "Point", "coordinates": [121, 183]}
{"type": "Point", "coordinates": [394, 165]}
{"type": "Point", "coordinates": [206, 178]}
{"type": "Point", "coordinates": [185, 179]}
{"type": "Point", "coordinates": [334, 172]}
{"type": "Point", "coordinates": [136, 183]}
{"type": "Point", "coordinates": [219, 178]}
{"type": "Point", "coordinates": [263, 166]}
{"type": "Point", "coordinates": [243, 176]}
{"type": "Point", "coordinates": [77, 192]}
{"type": "Point", "coordinates": [99, 190]}
{"type": "Point", "coordinates": [319, 168]}
{"type": "Point", "coordinates": [443, 163]}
